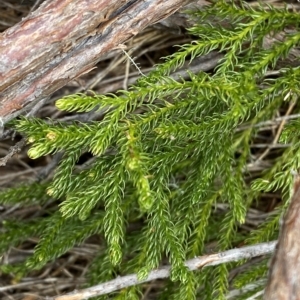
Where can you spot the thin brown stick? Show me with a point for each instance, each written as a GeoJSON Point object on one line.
{"type": "Point", "coordinates": [12, 151]}
{"type": "Point", "coordinates": [278, 133]}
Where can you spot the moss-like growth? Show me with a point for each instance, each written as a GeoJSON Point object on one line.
{"type": "Point", "coordinates": [168, 166]}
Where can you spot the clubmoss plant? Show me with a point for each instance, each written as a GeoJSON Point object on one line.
{"type": "Point", "coordinates": [167, 152]}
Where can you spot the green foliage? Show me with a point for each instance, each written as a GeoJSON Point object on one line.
{"type": "Point", "coordinates": [168, 167]}
{"type": "Point", "coordinates": [34, 193]}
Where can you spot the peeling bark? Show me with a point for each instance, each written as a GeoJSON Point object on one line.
{"type": "Point", "coordinates": [64, 39]}
{"type": "Point", "coordinates": [284, 276]}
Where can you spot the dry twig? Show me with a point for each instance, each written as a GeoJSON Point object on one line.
{"type": "Point", "coordinates": [164, 272]}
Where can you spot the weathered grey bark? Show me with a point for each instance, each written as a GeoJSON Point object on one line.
{"type": "Point", "coordinates": [64, 39]}
{"type": "Point", "coordinates": [284, 275]}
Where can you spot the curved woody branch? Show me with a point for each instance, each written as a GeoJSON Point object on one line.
{"type": "Point", "coordinates": [64, 39]}
{"type": "Point", "coordinates": [164, 272]}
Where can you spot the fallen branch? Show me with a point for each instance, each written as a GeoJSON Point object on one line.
{"type": "Point", "coordinates": [164, 272]}
{"type": "Point", "coordinates": [63, 40]}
